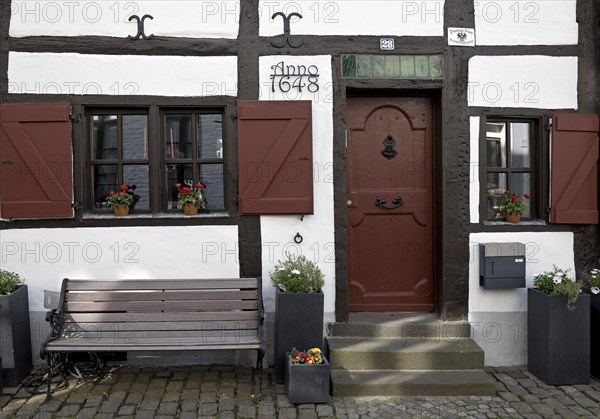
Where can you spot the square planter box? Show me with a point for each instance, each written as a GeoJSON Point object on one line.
{"type": "Point", "coordinates": [15, 345]}
{"type": "Point", "coordinates": [298, 324]}
{"type": "Point", "coordinates": [307, 383]}
{"type": "Point", "coordinates": [558, 340]}
{"type": "Point", "coordinates": [594, 332]}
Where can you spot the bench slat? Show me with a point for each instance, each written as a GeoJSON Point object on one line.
{"type": "Point", "coordinates": [131, 326]}
{"type": "Point", "coordinates": [108, 306]}
{"type": "Point", "coordinates": [154, 295]}
{"type": "Point", "coordinates": [161, 317]}
{"type": "Point", "coordinates": [160, 335]}
{"type": "Point", "coordinates": [65, 347]}
{"type": "Point", "coordinates": [168, 341]}
{"type": "Point", "coordinates": [167, 284]}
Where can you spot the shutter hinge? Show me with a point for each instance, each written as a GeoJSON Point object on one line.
{"type": "Point", "coordinates": [547, 209]}
{"type": "Point", "coordinates": [75, 205]}
{"type": "Point", "coordinates": [549, 125]}
{"type": "Point", "coordinates": [74, 117]}
{"type": "Point", "coordinates": [233, 116]}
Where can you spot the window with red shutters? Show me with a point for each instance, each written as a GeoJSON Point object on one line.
{"type": "Point", "coordinates": [574, 169]}
{"type": "Point", "coordinates": [36, 160]}
{"type": "Point", "coordinates": [275, 157]}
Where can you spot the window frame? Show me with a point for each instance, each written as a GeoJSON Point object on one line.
{"type": "Point", "coordinates": [537, 170]}
{"type": "Point", "coordinates": [155, 110]}
{"type": "Point", "coordinates": [195, 160]}
{"type": "Point", "coordinates": [120, 161]}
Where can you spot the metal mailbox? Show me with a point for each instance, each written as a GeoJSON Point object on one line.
{"type": "Point", "coordinates": [502, 265]}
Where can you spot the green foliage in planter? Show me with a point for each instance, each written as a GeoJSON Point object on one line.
{"type": "Point", "coordinates": [297, 274]}
{"type": "Point", "coordinates": [9, 281]}
{"type": "Point", "coordinates": [557, 282]}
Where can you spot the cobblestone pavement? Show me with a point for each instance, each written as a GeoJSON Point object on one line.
{"type": "Point", "coordinates": [227, 392]}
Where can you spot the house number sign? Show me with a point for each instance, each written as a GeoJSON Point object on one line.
{"type": "Point", "coordinates": [286, 77]}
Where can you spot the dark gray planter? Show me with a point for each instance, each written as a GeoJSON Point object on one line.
{"type": "Point", "coordinates": [15, 345]}
{"type": "Point", "coordinates": [558, 340]}
{"type": "Point", "coordinates": [298, 324]}
{"type": "Point", "coordinates": [307, 383]}
{"type": "Point", "coordinates": [594, 332]}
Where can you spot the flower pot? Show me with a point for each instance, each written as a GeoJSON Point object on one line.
{"type": "Point", "coordinates": [307, 383]}
{"type": "Point", "coordinates": [190, 209]}
{"type": "Point", "coordinates": [298, 324]}
{"type": "Point", "coordinates": [121, 211]}
{"type": "Point", "coordinates": [15, 345]}
{"type": "Point", "coordinates": [594, 332]}
{"type": "Point", "coordinates": [558, 340]}
{"type": "Point", "coordinates": [513, 217]}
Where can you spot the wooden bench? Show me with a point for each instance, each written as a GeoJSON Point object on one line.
{"type": "Point", "coordinates": [156, 315]}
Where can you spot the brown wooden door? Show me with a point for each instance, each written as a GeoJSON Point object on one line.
{"type": "Point", "coordinates": [390, 204]}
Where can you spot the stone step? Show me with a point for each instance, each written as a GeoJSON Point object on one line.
{"type": "Point", "coordinates": [400, 325]}
{"type": "Point", "coordinates": [412, 383]}
{"type": "Point", "coordinates": [404, 354]}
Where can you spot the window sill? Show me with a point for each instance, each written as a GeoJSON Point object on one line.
{"type": "Point", "coordinates": [522, 223]}
{"type": "Point", "coordinates": [162, 215]}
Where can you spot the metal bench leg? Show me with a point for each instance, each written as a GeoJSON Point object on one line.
{"type": "Point", "coordinates": [49, 378]}
{"type": "Point", "coordinates": [260, 354]}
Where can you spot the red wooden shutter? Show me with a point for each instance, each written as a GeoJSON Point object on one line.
{"type": "Point", "coordinates": [36, 160]}
{"type": "Point", "coordinates": [275, 157]}
{"type": "Point", "coordinates": [574, 177]}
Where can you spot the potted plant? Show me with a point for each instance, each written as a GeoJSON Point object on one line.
{"type": "Point", "coordinates": [298, 307]}
{"type": "Point", "coordinates": [15, 345]}
{"type": "Point", "coordinates": [307, 376]}
{"type": "Point", "coordinates": [513, 206]}
{"type": "Point", "coordinates": [558, 329]}
{"type": "Point", "coordinates": [190, 197]}
{"type": "Point", "coordinates": [593, 290]}
{"type": "Point", "coordinates": [121, 201]}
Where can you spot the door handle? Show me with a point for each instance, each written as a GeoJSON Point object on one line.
{"type": "Point", "coordinates": [396, 203]}
{"type": "Point", "coordinates": [7, 162]}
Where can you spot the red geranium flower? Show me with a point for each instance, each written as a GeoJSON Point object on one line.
{"type": "Point", "coordinates": [178, 185]}
{"type": "Point", "coordinates": [527, 196]}
{"type": "Point", "coordinates": [124, 187]}
{"type": "Point", "coordinates": [514, 198]}
{"type": "Point", "coordinates": [111, 193]}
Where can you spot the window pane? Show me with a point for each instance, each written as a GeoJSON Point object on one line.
{"type": "Point", "coordinates": [521, 185]}
{"type": "Point", "coordinates": [137, 177]}
{"type": "Point", "coordinates": [210, 132]}
{"type": "Point", "coordinates": [135, 137]}
{"type": "Point", "coordinates": [212, 176]}
{"type": "Point", "coordinates": [104, 137]}
{"type": "Point", "coordinates": [106, 179]}
{"type": "Point", "coordinates": [520, 147]}
{"type": "Point", "coordinates": [496, 144]}
{"type": "Point", "coordinates": [178, 136]}
{"type": "Point", "coordinates": [496, 185]}
{"type": "Point", "coordinates": [177, 173]}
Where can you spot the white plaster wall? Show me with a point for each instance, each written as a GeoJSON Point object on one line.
{"type": "Point", "coordinates": [278, 231]}
{"type": "Point", "coordinates": [499, 317]}
{"type": "Point", "coordinates": [525, 22]}
{"type": "Point", "coordinates": [533, 81]}
{"type": "Point", "coordinates": [197, 19]}
{"type": "Point", "coordinates": [351, 17]}
{"type": "Point", "coordinates": [50, 73]}
{"type": "Point", "coordinates": [45, 256]}
{"type": "Point", "coordinates": [474, 170]}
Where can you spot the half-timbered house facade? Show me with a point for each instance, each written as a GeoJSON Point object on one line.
{"type": "Point", "coordinates": [370, 136]}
